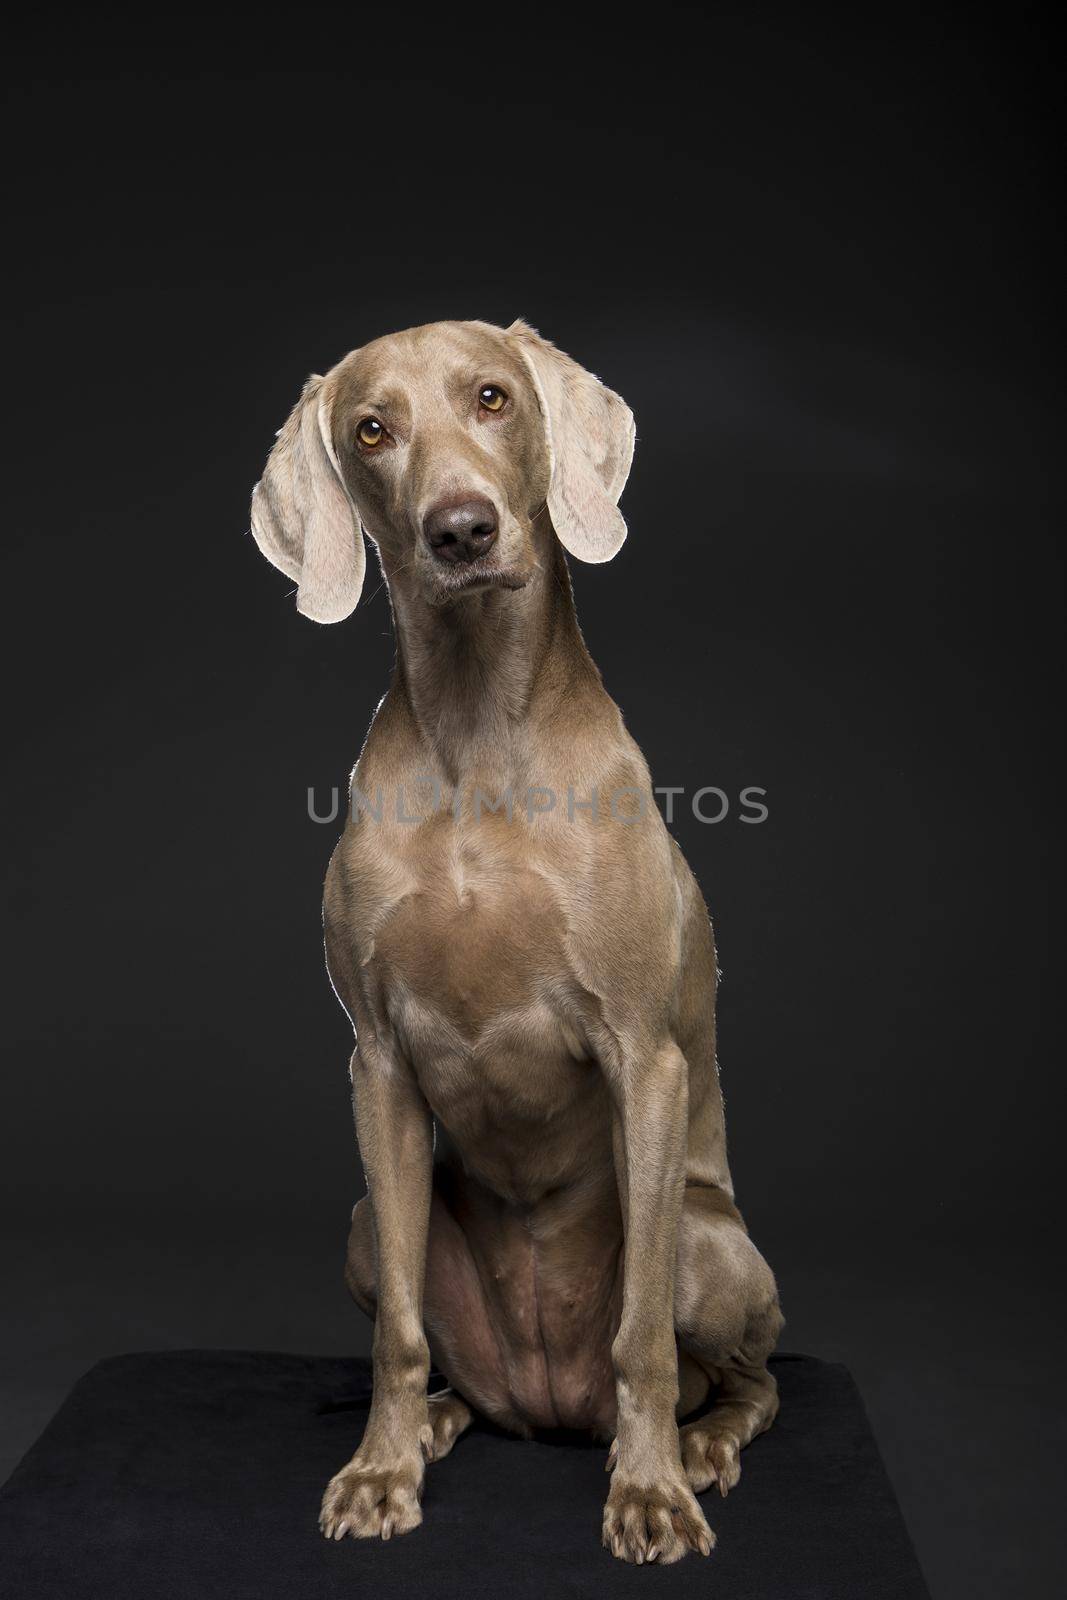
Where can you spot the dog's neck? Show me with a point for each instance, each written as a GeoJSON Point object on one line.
{"type": "Point", "coordinates": [476, 674]}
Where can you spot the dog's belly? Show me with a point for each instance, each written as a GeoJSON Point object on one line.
{"type": "Point", "coordinates": [523, 1302]}
{"type": "Point", "coordinates": [527, 1273]}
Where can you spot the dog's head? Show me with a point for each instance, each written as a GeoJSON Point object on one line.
{"type": "Point", "coordinates": [444, 444]}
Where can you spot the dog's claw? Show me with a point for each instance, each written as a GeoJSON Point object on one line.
{"type": "Point", "coordinates": [365, 1501]}
{"type": "Point", "coordinates": [710, 1457]}
{"type": "Point", "coordinates": [644, 1523]}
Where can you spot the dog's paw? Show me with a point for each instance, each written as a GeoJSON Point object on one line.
{"type": "Point", "coordinates": [449, 1416]}
{"type": "Point", "coordinates": [710, 1456]}
{"type": "Point", "coordinates": [654, 1522]}
{"type": "Point", "coordinates": [371, 1499]}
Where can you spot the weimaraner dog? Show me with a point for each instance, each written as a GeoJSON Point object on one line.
{"type": "Point", "coordinates": [525, 956]}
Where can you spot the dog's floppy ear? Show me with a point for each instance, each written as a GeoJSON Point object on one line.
{"type": "Point", "coordinates": [302, 517]}
{"type": "Point", "coordinates": [590, 433]}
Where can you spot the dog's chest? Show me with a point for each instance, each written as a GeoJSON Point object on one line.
{"type": "Point", "coordinates": [478, 938]}
{"type": "Point", "coordinates": [473, 968]}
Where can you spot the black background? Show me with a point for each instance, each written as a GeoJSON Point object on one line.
{"type": "Point", "coordinates": [817, 258]}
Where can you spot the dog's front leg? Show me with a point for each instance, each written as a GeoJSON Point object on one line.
{"type": "Point", "coordinates": [651, 1513]}
{"type": "Point", "coordinates": [378, 1492]}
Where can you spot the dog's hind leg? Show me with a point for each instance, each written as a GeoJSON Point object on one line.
{"type": "Point", "coordinates": [727, 1321]}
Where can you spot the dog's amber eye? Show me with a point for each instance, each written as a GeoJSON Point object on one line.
{"type": "Point", "coordinates": [370, 432]}
{"type": "Point", "coordinates": [491, 398]}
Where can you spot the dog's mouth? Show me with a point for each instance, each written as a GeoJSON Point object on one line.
{"type": "Point", "coordinates": [451, 582]}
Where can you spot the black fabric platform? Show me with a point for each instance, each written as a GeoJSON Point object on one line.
{"type": "Point", "coordinates": [198, 1475]}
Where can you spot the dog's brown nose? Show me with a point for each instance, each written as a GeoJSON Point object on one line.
{"type": "Point", "coordinates": [461, 531]}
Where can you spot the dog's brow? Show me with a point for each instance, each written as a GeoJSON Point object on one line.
{"type": "Point", "coordinates": [382, 404]}
{"type": "Point", "coordinates": [472, 373]}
